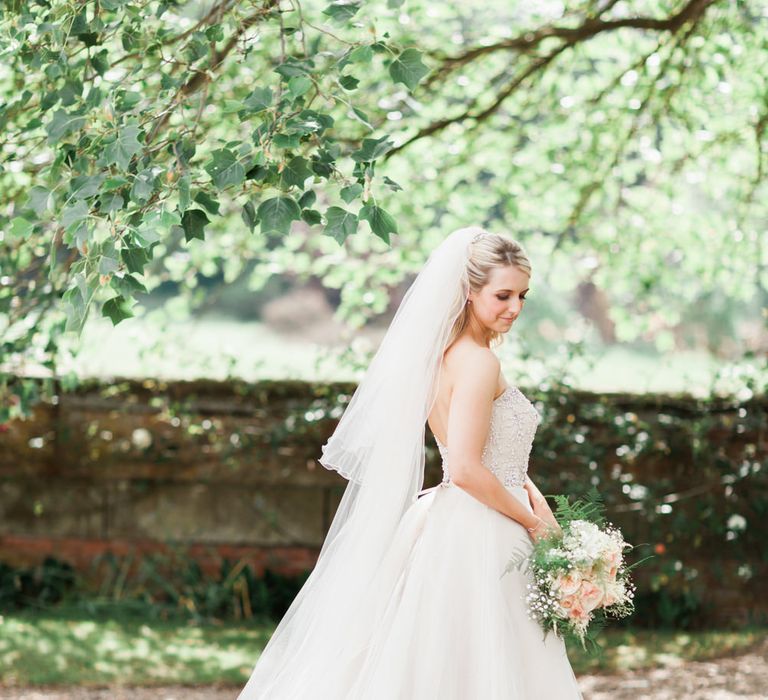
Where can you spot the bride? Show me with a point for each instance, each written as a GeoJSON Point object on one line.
{"type": "Point", "coordinates": [409, 599]}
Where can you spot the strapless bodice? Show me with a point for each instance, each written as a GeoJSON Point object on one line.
{"type": "Point", "coordinates": [514, 421]}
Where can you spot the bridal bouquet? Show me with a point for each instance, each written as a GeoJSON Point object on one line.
{"type": "Point", "coordinates": [580, 577]}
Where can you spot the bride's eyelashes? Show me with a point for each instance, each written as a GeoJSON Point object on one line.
{"type": "Point", "coordinates": [504, 298]}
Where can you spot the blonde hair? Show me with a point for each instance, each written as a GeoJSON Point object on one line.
{"type": "Point", "coordinates": [488, 251]}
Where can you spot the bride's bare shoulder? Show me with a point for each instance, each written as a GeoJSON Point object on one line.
{"type": "Point", "coordinates": [466, 359]}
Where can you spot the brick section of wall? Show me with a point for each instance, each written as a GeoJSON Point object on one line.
{"type": "Point", "coordinates": [83, 553]}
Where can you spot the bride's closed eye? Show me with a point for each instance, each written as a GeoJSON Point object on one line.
{"type": "Point", "coordinates": [506, 296]}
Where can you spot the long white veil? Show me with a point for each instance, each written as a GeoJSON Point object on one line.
{"type": "Point", "coordinates": [378, 446]}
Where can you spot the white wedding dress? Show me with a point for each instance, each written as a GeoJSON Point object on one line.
{"type": "Point", "coordinates": [443, 621]}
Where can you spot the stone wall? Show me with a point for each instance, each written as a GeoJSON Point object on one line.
{"type": "Point", "coordinates": [116, 467]}
{"type": "Point", "coordinates": [228, 469]}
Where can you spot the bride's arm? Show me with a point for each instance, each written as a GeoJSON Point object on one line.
{"type": "Point", "coordinates": [468, 425]}
{"type": "Point", "coordinates": [536, 497]}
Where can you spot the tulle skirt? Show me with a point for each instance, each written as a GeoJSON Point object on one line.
{"type": "Point", "coordinates": [443, 619]}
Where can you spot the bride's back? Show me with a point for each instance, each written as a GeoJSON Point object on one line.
{"type": "Point", "coordinates": [460, 359]}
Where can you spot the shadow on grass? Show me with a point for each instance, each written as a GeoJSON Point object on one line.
{"type": "Point", "coordinates": [66, 648]}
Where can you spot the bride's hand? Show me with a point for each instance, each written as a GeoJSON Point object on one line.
{"type": "Point", "coordinates": [549, 522]}
{"type": "Point", "coordinates": [542, 529]}
{"type": "Point", "coordinates": [541, 508]}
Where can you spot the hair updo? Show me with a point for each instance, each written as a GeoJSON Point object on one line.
{"type": "Point", "coordinates": [488, 251]}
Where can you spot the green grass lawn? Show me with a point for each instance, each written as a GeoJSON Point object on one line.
{"type": "Point", "coordinates": [62, 648]}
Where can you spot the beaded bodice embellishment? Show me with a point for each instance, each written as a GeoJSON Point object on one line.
{"type": "Point", "coordinates": [514, 421]}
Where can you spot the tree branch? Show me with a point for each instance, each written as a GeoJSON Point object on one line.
{"type": "Point", "coordinates": [201, 77]}
{"type": "Point", "coordinates": [469, 113]}
{"type": "Point", "coordinates": [587, 192]}
{"type": "Point", "coordinates": [590, 28]}
{"type": "Point", "coordinates": [570, 36]}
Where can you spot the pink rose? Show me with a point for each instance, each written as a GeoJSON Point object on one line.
{"type": "Point", "coordinates": [567, 602]}
{"type": "Point", "coordinates": [576, 612]}
{"type": "Point", "coordinates": [591, 595]}
{"type": "Point", "coordinates": [568, 583]}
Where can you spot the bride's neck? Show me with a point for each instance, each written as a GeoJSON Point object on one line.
{"type": "Point", "coordinates": [478, 332]}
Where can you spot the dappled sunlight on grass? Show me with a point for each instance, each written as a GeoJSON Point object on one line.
{"type": "Point", "coordinates": [624, 650]}
{"type": "Point", "coordinates": [64, 649]}
{"type": "Point", "coordinates": [54, 650]}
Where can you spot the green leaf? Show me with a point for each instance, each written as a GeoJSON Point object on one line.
{"type": "Point", "coordinates": [107, 265]}
{"type": "Point", "coordinates": [295, 172]}
{"type": "Point", "coordinates": [74, 214]}
{"type": "Point", "coordinates": [258, 100]}
{"type": "Point", "coordinates": [292, 67]}
{"type": "Point", "coordinates": [351, 192]}
{"type": "Point", "coordinates": [184, 150]}
{"type": "Point", "coordinates": [126, 100]}
{"type": "Point", "coordinates": [307, 199]}
{"type": "Point", "coordinates": [143, 186]}
{"type": "Point", "coordinates": [408, 68]}
{"type": "Point", "coordinates": [231, 106]}
{"type": "Point", "coordinates": [381, 222]}
{"type": "Point", "coordinates": [277, 213]}
{"type": "Point", "coordinates": [310, 121]}
{"type": "Point", "coordinates": [194, 221]}
{"type": "Point", "coordinates": [117, 309]}
{"type": "Point", "coordinates": [115, 183]}
{"type": "Point", "coordinates": [340, 223]}
{"type": "Point", "coordinates": [184, 198]}
{"type": "Point", "coordinates": [78, 299]}
{"type": "Point", "coordinates": [348, 82]}
{"type": "Point", "coordinates": [147, 235]}
{"type": "Point", "coordinates": [208, 202]}
{"type": "Point", "coordinates": [86, 186]}
{"type": "Point", "coordinates": [392, 184]}
{"type": "Point", "coordinates": [37, 199]}
{"type": "Point", "coordinates": [362, 117]}
{"type": "Point", "coordinates": [79, 23]}
{"type": "Point", "coordinates": [286, 140]}
{"type": "Point", "coordinates": [361, 54]}
{"type": "Point", "coordinates": [298, 85]}
{"type": "Point", "coordinates": [20, 228]}
{"type": "Point", "coordinates": [100, 62]}
{"type": "Point", "coordinates": [127, 285]}
{"type": "Point", "coordinates": [215, 32]}
{"type": "Point", "coordinates": [111, 202]}
{"type": "Point", "coordinates": [311, 216]}
{"type": "Point", "coordinates": [124, 147]}
{"type": "Point", "coordinates": [371, 149]}
{"type": "Point", "coordinates": [225, 169]}
{"type": "Point", "coordinates": [342, 11]}
{"type": "Point", "coordinates": [135, 258]}
{"type": "Point", "coordinates": [323, 162]}
{"type": "Point", "coordinates": [62, 124]}
{"type": "Point", "coordinates": [249, 215]}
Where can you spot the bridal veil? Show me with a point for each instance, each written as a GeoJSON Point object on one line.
{"type": "Point", "coordinates": [378, 446]}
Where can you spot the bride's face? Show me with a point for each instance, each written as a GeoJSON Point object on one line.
{"type": "Point", "coordinates": [498, 304]}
